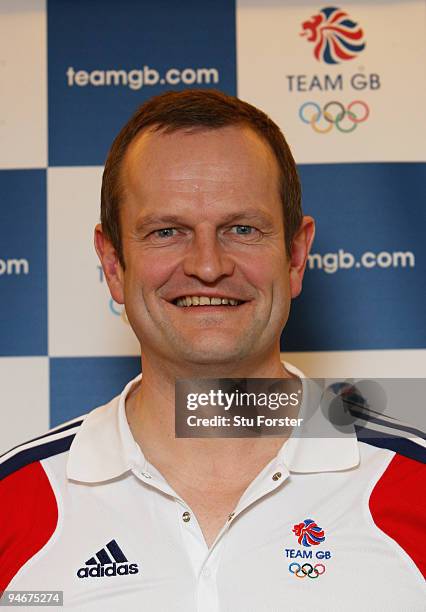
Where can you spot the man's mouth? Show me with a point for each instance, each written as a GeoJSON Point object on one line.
{"type": "Point", "coordinates": [203, 300]}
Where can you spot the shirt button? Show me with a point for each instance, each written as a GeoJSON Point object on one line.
{"type": "Point", "coordinates": [206, 572]}
{"type": "Point", "coordinates": [276, 476]}
{"type": "Point", "coordinates": [146, 475]}
{"type": "Point", "coordinates": [186, 517]}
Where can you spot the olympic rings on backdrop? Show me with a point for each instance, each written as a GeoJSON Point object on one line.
{"type": "Point", "coordinates": [334, 113]}
{"type": "Point", "coordinates": [306, 570]}
{"type": "Point", "coordinates": [366, 110]}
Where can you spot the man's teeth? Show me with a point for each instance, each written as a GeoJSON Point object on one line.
{"type": "Point", "coordinates": [202, 300]}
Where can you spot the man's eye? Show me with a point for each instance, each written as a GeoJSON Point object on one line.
{"type": "Point", "coordinates": [167, 232]}
{"type": "Point", "coordinates": [243, 230]}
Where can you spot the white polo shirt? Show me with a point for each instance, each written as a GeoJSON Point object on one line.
{"type": "Point", "coordinates": [328, 525]}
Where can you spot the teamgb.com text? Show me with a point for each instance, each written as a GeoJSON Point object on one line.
{"type": "Point", "coordinates": [14, 266]}
{"type": "Point", "coordinates": [139, 77]}
{"type": "Point", "coordinates": [343, 260]}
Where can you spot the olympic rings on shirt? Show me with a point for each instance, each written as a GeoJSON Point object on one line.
{"type": "Point", "coordinates": [334, 113]}
{"type": "Point", "coordinates": [306, 570]}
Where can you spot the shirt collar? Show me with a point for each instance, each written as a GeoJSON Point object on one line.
{"type": "Point", "coordinates": [104, 447]}
{"type": "Point", "coordinates": [317, 446]}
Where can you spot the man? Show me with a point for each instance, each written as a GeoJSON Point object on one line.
{"type": "Point", "coordinates": [203, 240]}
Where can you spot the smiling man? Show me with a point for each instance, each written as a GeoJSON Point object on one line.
{"type": "Point", "coordinates": [204, 242]}
{"type": "Point", "coordinates": [197, 248]}
{"type": "Point", "coordinates": [203, 250]}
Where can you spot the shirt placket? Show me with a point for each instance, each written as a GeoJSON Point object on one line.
{"type": "Point", "coordinates": [205, 561]}
{"type": "Point", "coordinates": [271, 478]}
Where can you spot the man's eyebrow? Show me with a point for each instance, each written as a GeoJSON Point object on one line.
{"type": "Point", "coordinates": [248, 215]}
{"type": "Point", "coordinates": [155, 219]}
{"type": "Point", "coordinates": [164, 220]}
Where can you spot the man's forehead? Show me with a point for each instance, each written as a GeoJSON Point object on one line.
{"type": "Point", "coordinates": [200, 159]}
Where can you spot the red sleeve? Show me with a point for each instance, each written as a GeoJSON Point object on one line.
{"type": "Point", "coordinates": [28, 518]}
{"type": "Point", "coordinates": [398, 506]}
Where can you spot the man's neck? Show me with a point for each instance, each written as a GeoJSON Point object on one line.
{"type": "Point", "coordinates": [150, 410]}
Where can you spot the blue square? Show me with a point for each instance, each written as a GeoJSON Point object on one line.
{"type": "Point", "coordinates": [101, 60]}
{"type": "Point", "coordinates": [80, 384]}
{"type": "Point", "coordinates": [23, 267]}
{"type": "Point", "coordinates": [375, 208]}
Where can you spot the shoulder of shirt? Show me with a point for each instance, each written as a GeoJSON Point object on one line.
{"type": "Point", "coordinates": [55, 441]}
{"type": "Point", "coordinates": [396, 499]}
{"type": "Point", "coordinates": [380, 429]}
{"type": "Point", "coordinates": [393, 439]}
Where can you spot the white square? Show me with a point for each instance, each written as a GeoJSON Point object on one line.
{"type": "Point", "coordinates": [278, 72]}
{"type": "Point", "coordinates": [83, 320]}
{"type": "Point", "coordinates": [23, 84]}
{"type": "Point", "coordinates": [404, 363]}
{"type": "Point", "coordinates": [24, 382]}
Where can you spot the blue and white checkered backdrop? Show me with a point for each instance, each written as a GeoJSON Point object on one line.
{"type": "Point", "coordinates": [349, 94]}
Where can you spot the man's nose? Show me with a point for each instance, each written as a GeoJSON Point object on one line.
{"type": "Point", "coordinates": [206, 257]}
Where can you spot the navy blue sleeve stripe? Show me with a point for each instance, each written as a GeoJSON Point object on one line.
{"type": "Point", "coordinates": [399, 427]}
{"type": "Point", "coordinates": [35, 453]}
{"type": "Point", "coordinates": [46, 435]}
{"type": "Point", "coordinates": [402, 446]}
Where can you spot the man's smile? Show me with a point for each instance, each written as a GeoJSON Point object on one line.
{"type": "Point", "coordinates": [204, 300]}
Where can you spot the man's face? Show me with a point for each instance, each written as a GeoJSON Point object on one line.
{"type": "Point", "coordinates": [206, 279]}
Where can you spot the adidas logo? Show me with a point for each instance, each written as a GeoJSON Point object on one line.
{"type": "Point", "coordinates": [109, 561]}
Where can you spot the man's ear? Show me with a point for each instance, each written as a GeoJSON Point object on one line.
{"type": "Point", "coordinates": [110, 264]}
{"type": "Point", "coordinates": [300, 247]}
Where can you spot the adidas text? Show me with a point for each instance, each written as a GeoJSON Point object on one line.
{"type": "Point", "coordinates": [113, 569]}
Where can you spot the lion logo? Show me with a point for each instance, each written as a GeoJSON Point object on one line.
{"type": "Point", "coordinates": [308, 533]}
{"type": "Point", "coordinates": [335, 35]}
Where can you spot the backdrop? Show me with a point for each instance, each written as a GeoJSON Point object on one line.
{"type": "Point", "coordinates": [345, 83]}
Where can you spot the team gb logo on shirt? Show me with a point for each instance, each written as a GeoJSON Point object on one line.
{"type": "Point", "coordinates": [335, 35]}
{"type": "Point", "coordinates": [308, 533]}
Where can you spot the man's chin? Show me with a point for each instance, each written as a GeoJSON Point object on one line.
{"type": "Point", "coordinates": [205, 352]}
